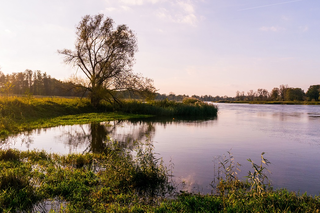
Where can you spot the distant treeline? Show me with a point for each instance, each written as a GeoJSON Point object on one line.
{"type": "Point", "coordinates": [37, 83]}
{"type": "Point", "coordinates": [173, 97]}
{"type": "Point", "coordinates": [283, 93]}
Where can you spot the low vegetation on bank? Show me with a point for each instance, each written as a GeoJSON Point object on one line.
{"type": "Point", "coordinates": [112, 180]}
{"type": "Point", "coordinates": [26, 113]}
{"type": "Point", "coordinates": [117, 180]}
{"type": "Point", "coordinates": [121, 179]}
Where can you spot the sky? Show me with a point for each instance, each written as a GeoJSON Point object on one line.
{"type": "Point", "coordinates": [192, 47]}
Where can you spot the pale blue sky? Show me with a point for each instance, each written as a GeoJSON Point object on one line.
{"type": "Point", "coordinates": [212, 47]}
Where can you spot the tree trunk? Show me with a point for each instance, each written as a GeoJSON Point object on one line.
{"type": "Point", "coordinates": [95, 98]}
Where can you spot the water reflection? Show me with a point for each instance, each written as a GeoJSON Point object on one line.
{"type": "Point", "coordinates": [23, 139]}
{"type": "Point", "coordinates": [94, 137]}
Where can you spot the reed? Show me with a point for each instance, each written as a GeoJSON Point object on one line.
{"type": "Point", "coordinates": [23, 113]}
{"type": "Point", "coordinates": [232, 195]}
{"type": "Point", "coordinates": [120, 180]}
{"type": "Point", "coordinates": [82, 182]}
{"type": "Point", "coordinates": [169, 108]}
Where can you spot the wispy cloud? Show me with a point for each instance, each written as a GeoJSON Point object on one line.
{"type": "Point", "coordinates": [271, 29]}
{"type": "Point", "coordinates": [110, 9]}
{"type": "Point", "coordinates": [304, 28]}
{"type": "Point", "coordinates": [186, 6]}
{"type": "Point", "coordinates": [179, 12]}
{"type": "Point", "coordinates": [139, 2]}
{"type": "Point", "coordinates": [270, 5]}
{"type": "Point", "coordinates": [285, 18]}
{"type": "Point", "coordinates": [176, 11]}
{"type": "Point", "coordinates": [8, 33]}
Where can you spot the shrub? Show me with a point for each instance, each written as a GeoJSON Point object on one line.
{"type": "Point", "coordinates": [190, 100]}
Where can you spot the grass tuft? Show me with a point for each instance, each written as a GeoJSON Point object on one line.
{"type": "Point", "coordinates": [9, 155]}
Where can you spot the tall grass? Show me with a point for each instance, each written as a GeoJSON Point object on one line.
{"type": "Point", "coordinates": [26, 113]}
{"type": "Point", "coordinates": [23, 113]}
{"type": "Point", "coordinates": [82, 182]}
{"type": "Point", "coordinates": [21, 108]}
{"type": "Point", "coordinates": [120, 181]}
{"type": "Point", "coordinates": [169, 108]}
{"type": "Point", "coordinates": [232, 195]}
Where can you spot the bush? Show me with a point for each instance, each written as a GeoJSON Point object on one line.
{"type": "Point", "coordinates": [190, 100]}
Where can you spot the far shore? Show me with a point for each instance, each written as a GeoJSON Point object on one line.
{"type": "Point", "coordinates": [273, 102]}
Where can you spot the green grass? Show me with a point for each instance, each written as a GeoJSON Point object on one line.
{"type": "Point", "coordinates": [26, 113]}
{"type": "Point", "coordinates": [275, 201]}
{"type": "Point", "coordinates": [116, 180]}
{"type": "Point", "coordinates": [170, 108]}
{"type": "Point", "coordinates": [83, 182]}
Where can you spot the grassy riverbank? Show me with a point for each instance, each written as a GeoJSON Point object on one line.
{"type": "Point", "coordinates": [118, 178]}
{"type": "Point", "coordinates": [26, 113]}
{"type": "Point", "coordinates": [118, 181]}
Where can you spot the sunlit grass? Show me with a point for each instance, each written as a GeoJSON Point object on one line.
{"type": "Point", "coordinates": [26, 113]}
{"type": "Point", "coordinates": [83, 182]}
{"type": "Point", "coordinates": [170, 108]}
{"type": "Point", "coordinates": [120, 181]}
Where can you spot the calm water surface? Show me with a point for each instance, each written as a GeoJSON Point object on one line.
{"type": "Point", "coordinates": [288, 134]}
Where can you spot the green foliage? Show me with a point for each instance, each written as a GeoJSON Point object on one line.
{"type": "Point", "coordinates": [258, 177]}
{"type": "Point", "coordinates": [313, 92]}
{"type": "Point", "coordinates": [186, 202]}
{"type": "Point", "coordinates": [16, 190]}
{"type": "Point", "coordinates": [120, 180]}
{"type": "Point", "coordinates": [294, 94]}
{"type": "Point", "coordinates": [23, 113]}
{"type": "Point", "coordinates": [149, 178]}
{"type": "Point", "coordinates": [282, 95]}
{"type": "Point", "coordinates": [7, 88]}
{"type": "Point", "coordinates": [169, 108]}
{"type": "Point", "coordinates": [37, 83]}
{"type": "Point", "coordinates": [82, 182]}
{"type": "Point", "coordinates": [190, 100]}
{"type": "Point", "coordinates": [273, 201]}
{"type": "Point", "coordinates": [228, 181]}
{"type": "Point", "coordinates": [105, 54]}
{"type": "Point", "coordinates": [9, 155]}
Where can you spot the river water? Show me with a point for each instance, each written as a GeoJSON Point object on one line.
{"type": "Point", "coordinates": [288, 134]}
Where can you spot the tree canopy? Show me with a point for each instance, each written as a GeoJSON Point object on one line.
{"type": "Point", "coordinates": [313, 92]}
{"type": "Point", "coordinates": [105, 55]}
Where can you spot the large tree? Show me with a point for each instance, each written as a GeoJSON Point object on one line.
{"type": "Point", "coordinates": [294, 94]}
{"type": "Point", "coordinates": [105, 55]}
{"type": "Point", "coordinates": [275, 94]}
{"type": "Point", "coordinates": [313, 92]}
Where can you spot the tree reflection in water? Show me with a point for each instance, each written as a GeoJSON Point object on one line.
{"type": "Point", "coordinates": [24, 139]}
{"type": "Point", "coordinates": [97, 136]}
{"type": "Point", "coordinates": [94, 137]}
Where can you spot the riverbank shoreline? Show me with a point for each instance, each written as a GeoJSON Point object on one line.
{"type": "Point", "coordinates": [113, 182]}
{"type": "Point", "coordinates": [20, 114]}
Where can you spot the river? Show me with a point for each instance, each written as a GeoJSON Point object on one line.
{"type": "Point", "coordinates": [288, 134]}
